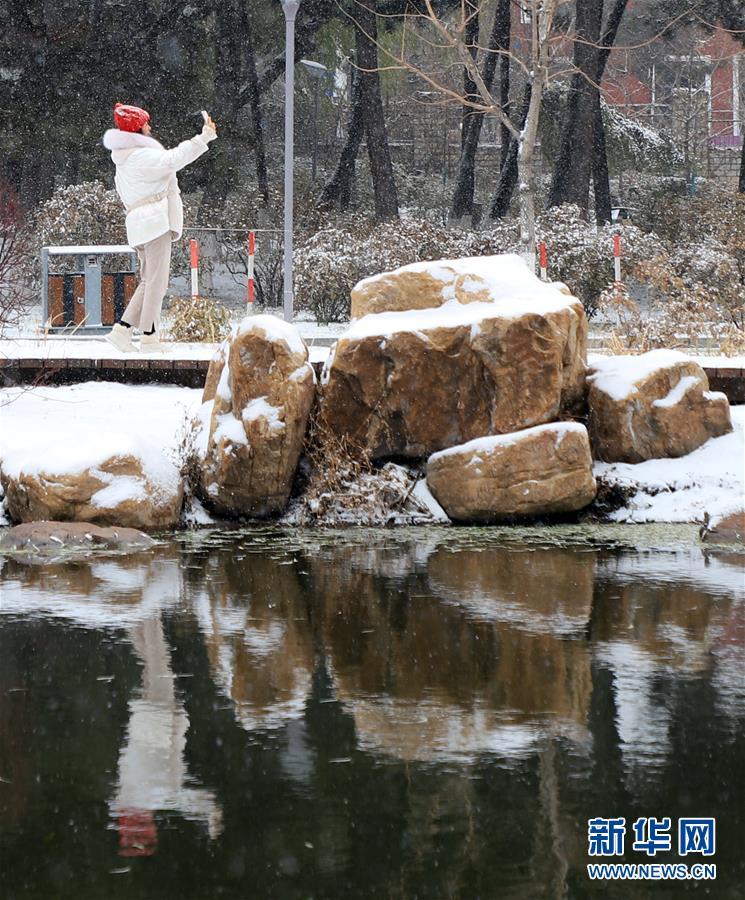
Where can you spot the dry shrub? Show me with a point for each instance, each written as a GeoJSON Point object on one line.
{"type": "Point", "coordinates": [631, 333]}
{"type": "Point", "coordinates": [336, 462]}
{"type": "Point", "coordinates": [15, 259]}
{"type": "Point", "coordinates": [346, 488]}
{"type": "Point", "coordinates": [197, 320]}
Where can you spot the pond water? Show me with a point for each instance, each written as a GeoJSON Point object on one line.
{"type": "Point", "coordinates": [409, 714]}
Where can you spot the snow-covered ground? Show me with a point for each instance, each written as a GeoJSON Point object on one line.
{"type": "Point", "coordinates": [709, 480]}
{"type": "Point", "coordinates": [59, 347]}
{"type": "Point", "coordinates": [68, 428]}
{"type": "Point", "coordinates": [60, 430]}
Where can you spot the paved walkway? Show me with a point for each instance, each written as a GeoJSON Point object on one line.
{"type": "Point", "coordinates": [68, 360]}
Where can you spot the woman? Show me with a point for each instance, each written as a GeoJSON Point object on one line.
{"type": "Point", "coordinates": [147, 185]}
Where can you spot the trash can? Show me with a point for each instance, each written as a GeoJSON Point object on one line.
{"type": "Point", "coordinates": [87, 299]}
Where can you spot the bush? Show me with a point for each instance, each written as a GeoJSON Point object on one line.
{"type": "Point", "coordinates": [331, 262]}
{"type": "Point", "coordinates": [198, 320]}
{"type": "Point", "coordinates": [581, 255]}
{"type": "Point", "coordinates": [15, 259]}
{"type": "Point", "coordinates": [85, 213]}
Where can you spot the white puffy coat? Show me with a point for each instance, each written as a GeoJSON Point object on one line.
{"type": "Point", "coordinates": [147, 184]}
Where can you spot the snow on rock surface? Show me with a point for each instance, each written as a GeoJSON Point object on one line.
{"type": "Point", "coordinates": [709, 480]}
{"type": "Point", "coordinates": [98, 452]}
{"type": "Point", "coordinates": [535, 472]}
{"type": "Point", "coordinates": [652, 406]}
{"type": "Point", "coordinates": [504, 280]}
{"type": "Point", "coordinates": [414, 382]}
{"type": "Point", "coordinates": [620, 376]}
{"type": "Point", "coordinates": [261, 387]}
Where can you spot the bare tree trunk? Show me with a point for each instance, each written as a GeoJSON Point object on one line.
{"type": "Point", "coordinates": [381, 166]}
{"type": "Point", "coordinates": [526, 174]}
{"type": "Point", "coordinates": [254, 99]}
{"type": "Point", "coordinates": [471, 37]}
{"type": "Point", "coordinates": [500, 204]}
{"type": "Point", "coordinates": [600, 174]}
{"type": "Point", "coordinates": [338, 191]}
{"type": "Point", "coordinates": [571, 181]}
{"type": "Point", "coordinates": [499, 38]}
{"type": "Point", "coordinates": [741, 182]}
{"type": "Point", "coordinates": [504, 27]}
{"type": "Point", "coordinates": [218, 168]}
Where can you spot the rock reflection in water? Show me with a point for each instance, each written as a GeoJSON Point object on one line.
{"type": "Point", "coordinates": [655, 619]}
{"type": "Point", "coordinates": [254, 622]}
{"type": "Point", "coordinates": [389, 717]}
{"type": "Point", "coordinates": [469, 655]}
{"type": "Point", "coordinates": [114, 592]}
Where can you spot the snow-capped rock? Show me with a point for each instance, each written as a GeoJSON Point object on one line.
{"type": "Point", "coordinates": [415, 382]}
{"type": "Point", "coordinates": [652, 406]}
{"type": "Point", "coordinates": [93, 452]}
{"type": "Point", "coordinates": [117, 491]}
{"type": "Point", "coordinates": [535, 472]}
{"type": "Point", "coordinates": [261, 405]}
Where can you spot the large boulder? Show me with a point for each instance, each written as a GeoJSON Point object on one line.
{"type": "Point", "coordinates": [652, 406]}
{"type": "Point", "coordinates": [121, 491]}
{"type": "Point", "coordinates": [411, 383]}
{"type": "Point", "coordinates": [535, 472]}
{"type": "Point", "coordinates": [261, 406]}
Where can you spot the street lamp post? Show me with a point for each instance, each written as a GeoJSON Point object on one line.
{"type": "Point", "coordinates": [289, 8]}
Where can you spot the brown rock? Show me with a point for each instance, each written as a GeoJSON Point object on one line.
{"type": "Point", "coordinates": [117, 492]}
{"type": "Point", "coordinates": [259, 418]}
{"type": "Point", "coordinates": [455, 376]}
{"type": "Point", "coordinates": [214, 371]}
{"type": "Point", "coordinates": [57, 536]}
{"type": "Point", "coordinates": [652, 406]}
{"type": "Point", "coordinates": [539, 471]}
{"type": "Point", "coordinates": [417, 286]}
{"type": "Point", "coordinates": [730, 530]}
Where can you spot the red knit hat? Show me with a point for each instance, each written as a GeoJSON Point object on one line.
{"type": "Point", "coordinates": [130, 118]}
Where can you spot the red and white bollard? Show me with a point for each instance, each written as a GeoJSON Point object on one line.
{"type": "Point", "coordinates": [250, 284]}
{"type": "Point", "coordinates": [194, 249]}
{"type": "Point", "coordinates": [543, 257]}
{"type": "Point", "coordinates": [617, 257]}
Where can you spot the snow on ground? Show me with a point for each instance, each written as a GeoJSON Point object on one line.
{"type": "Point", "coordinates": [709, 480]}
{"type": "Point", "coordinates": [64, 429]}
{"type": "Point", "coordinates": [95, 348]}
{"type": "Point", "coordinates": [89, 347]}
{"type": "Point", "coordinates": [69, 429]}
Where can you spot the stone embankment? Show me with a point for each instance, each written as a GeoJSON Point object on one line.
{"type": "Point", "coordinates": [471, 371]}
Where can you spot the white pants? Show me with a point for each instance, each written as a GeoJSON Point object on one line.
{"type": "Point", "coordinates": [143, 310]}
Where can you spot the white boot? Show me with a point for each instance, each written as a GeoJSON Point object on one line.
{"type": "Point", "coordinates": [121, 338]}
{"type": "Point", "coordinates": [150, 343]}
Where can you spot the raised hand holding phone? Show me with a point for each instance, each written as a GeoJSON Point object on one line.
{"type": "Point", "coordinates": [209, 129]}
